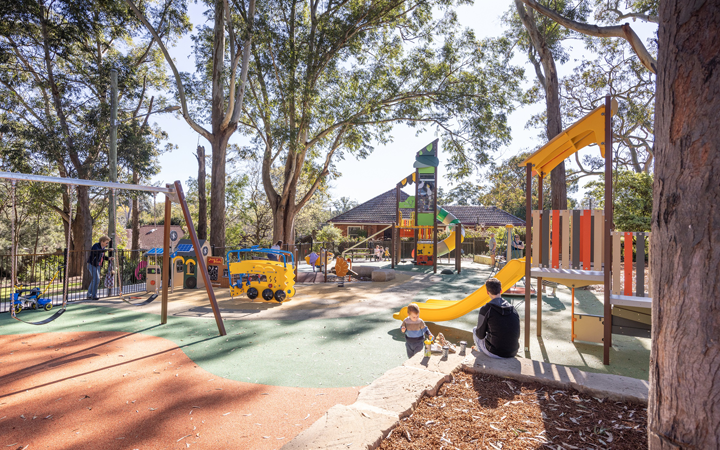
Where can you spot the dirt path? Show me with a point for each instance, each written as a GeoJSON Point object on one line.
{"type": "Point", "coordinates": [111, 390]}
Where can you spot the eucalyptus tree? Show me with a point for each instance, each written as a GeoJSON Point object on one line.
{"type": "Point", "coordinates": [541, 40]}
{"type": "Point", "coordinates": [329, 79]}
{"type": "Point", "coordinates": [684, 255]}
{"type": "Point", "coordinates": [215, 93]}
{"type": "Point", "coordinates": [55, 60]}
{"type": "Point", "coordinates": [614, 70]}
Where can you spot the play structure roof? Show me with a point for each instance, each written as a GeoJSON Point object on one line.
{"type": "Point", "coordinates": [586, 131]}
{"type": "Point", "coordinates": [380, 210]}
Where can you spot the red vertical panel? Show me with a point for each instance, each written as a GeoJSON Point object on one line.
{"type": "Point", "coordinates": [627, 287]}
{"type": "Point", "coordinates": [585, 236]}
{"type": "Point", "coordinates": [555, 238]}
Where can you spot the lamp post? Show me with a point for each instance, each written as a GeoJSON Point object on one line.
{"type": "Point", "coordinates": [113, 146]}
{"type": "Point", "coordinates": [113, 152]}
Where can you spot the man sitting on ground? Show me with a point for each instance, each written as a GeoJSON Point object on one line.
{"type": "Point", "coordinates": [497, 333]}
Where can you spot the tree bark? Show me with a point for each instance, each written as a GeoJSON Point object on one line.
{"type": "Point", "coordinates": [135, 218]}
{"type": "Point", "coordinates": [284, 221]}
{"type": "Point", "coordinates": [549, 81]}
{"type": "Point", "coordinates": [217, 188]}
{"type": "Point", "coordinates": [202, 196]}
{"type": "Point", "coordinates": [685, 247]}
{"type": "Point", "coordinates": [82, 235]}
{"type": "Point", "coordinates": [558, 182]}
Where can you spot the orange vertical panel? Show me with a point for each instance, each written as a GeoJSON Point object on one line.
{"type": "Point", "coordinates": [627, 290]}
{"type": "Point", "coordinates": [555, 238]}
{"type": "Point", "coordinates": [585, 236]}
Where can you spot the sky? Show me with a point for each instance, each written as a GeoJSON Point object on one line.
{"type": "Point", "coordinates": [363, 179]}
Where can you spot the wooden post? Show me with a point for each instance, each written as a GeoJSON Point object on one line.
{"type": "Point", "coordinates": [392, 246]}
{"type": "Point", "coordinates": [539, 280]}
{"type": "Point", "coordinates": [607, 310]}
{"type": "Point", "coordinates": [201, 261]}
{"type": "Point", "coordinates": [528, 251]}
{"type": "Point", "coordinates": [435, 229]}
{"type": "Point", "coordinates": [166, 269]}
{"type": "Point", "coordinates": [417, 218]}
{"type": "Point", "coordinates": [325, 263]}
{"type": "Point", "coordinates": [295, 256]}
{"type": "Point", "coordinates": [398, 242]}
{"type": "Point", "coordinates": [458, 247]}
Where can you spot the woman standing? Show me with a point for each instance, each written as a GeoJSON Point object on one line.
{"type": "Point", "coordinates": [94, 264]}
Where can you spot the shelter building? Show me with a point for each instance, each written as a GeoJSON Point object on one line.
{"type": "Point", "coordinates": [379, 212]}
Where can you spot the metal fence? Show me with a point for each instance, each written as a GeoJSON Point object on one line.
{"type": "Point", "coordinates": [46, 271]}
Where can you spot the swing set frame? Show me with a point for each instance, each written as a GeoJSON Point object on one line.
{"type": "Point", "coordinates": [173, 193]}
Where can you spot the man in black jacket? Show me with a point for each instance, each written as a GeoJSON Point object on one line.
{"type": "Point", "coordinates": [497, 333]}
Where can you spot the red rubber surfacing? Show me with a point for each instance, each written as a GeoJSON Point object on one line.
{"type": "Point", "coordinates": [111, 390]}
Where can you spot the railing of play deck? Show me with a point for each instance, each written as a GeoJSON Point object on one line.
{"type": "Point", "coordinates": [630, 268]}
{"type": "Point", "coordinates": [568, 239]}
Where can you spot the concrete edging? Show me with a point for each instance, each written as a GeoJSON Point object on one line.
{"type": "Point", "coordinates": [380, 406]}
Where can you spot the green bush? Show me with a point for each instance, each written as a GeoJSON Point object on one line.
{"type": "Point", "coordinates": [329, 233]}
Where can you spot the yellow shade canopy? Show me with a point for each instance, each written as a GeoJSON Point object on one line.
{"type": "Point", "coordinates": [588, 130]}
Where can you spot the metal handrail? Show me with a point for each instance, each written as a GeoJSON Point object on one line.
{"type": "Point", "coordinates": [268, 251]}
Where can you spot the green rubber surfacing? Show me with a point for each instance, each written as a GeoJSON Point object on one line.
{"type": "Point", "coordinates": [346, 351]}
{"type": "Point", "coordinates": [324, 353]}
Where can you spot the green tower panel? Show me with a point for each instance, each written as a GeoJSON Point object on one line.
{"type": "Point", "coordinates": [426, 219]}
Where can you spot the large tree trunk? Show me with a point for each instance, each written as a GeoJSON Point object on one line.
{"type": "Point", "coordinates": [558, 182]}
{"type": "Point", "coordinates": [546, 71]}
{"type": "Point", "coordinates": [284, 221]}
{"type": "Point", "coordinates": [135, 218]}
{"type": "Point", "coordinates": [202, 197]}
{"type": "Point", "coordinates": [82, 235]}
{"type": "Point", "coordinates": [685, 248]}
{"type": "Point", "coordinates": [217, 193]}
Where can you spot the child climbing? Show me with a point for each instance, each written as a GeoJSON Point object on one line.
{"type": "Point", "coordinates": [415, 330]}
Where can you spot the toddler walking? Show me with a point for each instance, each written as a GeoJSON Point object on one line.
{"type": "Point", "coordinates": [415, 330]}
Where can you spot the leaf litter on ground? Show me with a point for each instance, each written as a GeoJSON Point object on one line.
{"type": "Point", "coordinates": [478, 412]}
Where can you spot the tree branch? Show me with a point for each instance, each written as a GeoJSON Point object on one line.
{"type": "Point", "coordinates": [245, 67]}
{"type": "Point", "coordinates": [181, 89]}
{"type": "Point", "coordinates": [622, 31]}
{"type": "Point", "coordinates": [645, 17]}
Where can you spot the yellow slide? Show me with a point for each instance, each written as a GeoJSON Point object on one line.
{"type": "Point", "coordinates": [440, 310]}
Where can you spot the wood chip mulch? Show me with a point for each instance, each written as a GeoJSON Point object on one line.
{"type": "Point", "coordinates": [489, 412]}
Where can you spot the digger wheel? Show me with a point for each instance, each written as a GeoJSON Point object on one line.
{"type": "Point", "coordinates": [267, 294]}
{"type": "Point", "coordinates": [48, 307]}
{"type": "Point", "coordinates": [252, 293]}
{"type": "Point", "coordinates": [280, 295]}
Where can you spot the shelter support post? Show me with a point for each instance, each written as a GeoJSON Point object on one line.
{"type": "Point", "coordinates": [295, 257]}
{"type": "Point", "coordinates": [166, 269]}
{"type": "Point", "coordinates": [201, 261]}
{"type": "Point", "coordinates": [572, 314]}
{"type": "Point", "coordinates": [607, 309]}
{"type": "Point", "coordinates": [528, 250]}
{"type": "Point", "coordinates": [539, 280]}
{"type": "Point", "coordinates": [392, 245]}
{"type": "Point", "coordinates": [435, 227]}
{"type": "Point", "coordinates": [417, 204]}
{"type": "Point", "coordinates": [458, 247]}
{"type": "Point", "coordinates": [398, 241]}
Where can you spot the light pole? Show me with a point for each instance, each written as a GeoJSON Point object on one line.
{"type": "Point", "coordinates": [113, 152]}
{"type": "Point", "coordinates": [113, 146]}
